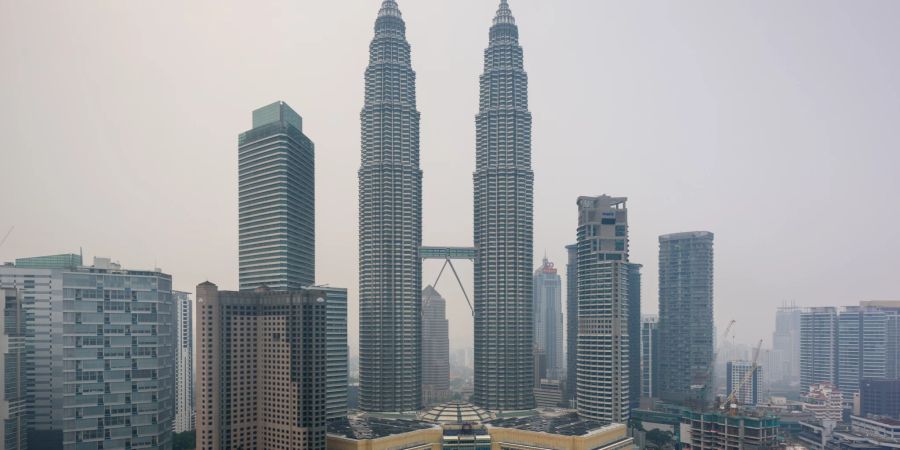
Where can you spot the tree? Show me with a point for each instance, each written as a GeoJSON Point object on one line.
{"type": "Point", "coordinates": [185, 441]}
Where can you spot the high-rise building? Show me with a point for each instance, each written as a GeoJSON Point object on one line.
{"type": "Point", "coordinates": [40, 281]}
{"type": "Point", "coordinates": [571, 319]}
{"type": "Point", "coordinates": [261, 378]}
{"type": "Point", "coordinates": [880, 398]}
{"type": "Point", "coordinates": [504, 225]}
{"type": "Point", "coordinates": [118, 358]}
{"type": "Point", "coordinates": [548, 318]}
{"type": "Point", "coordinates": [685, 314]}
{"type": "Point", "coordinates": [749, 392]}
{"type": "Point", "coordinates": [818, 347]}
{"type": "Point", "coordinates": [390, 224]}
{"type": "Point", "coordinates": [276, 201]}
{"type": "Point", "coordinates": [634, 333]}
{"type": "Point", "coordinates": [13, 404]}
{"type": "Point", "coordinates": [649, 356]}
{"type": "Point", "coordinates": [602, 379]}
{"type": "Point", "coordinates": [867, 344]}
{"type": "Point", "coordinates": [337, 352]}
{"type": "Point", "coordinates": [785, 368]}
{"type": "Point", "coordinates": [184, 362]}
{"type": "Point", "coordinates": [435, 348]}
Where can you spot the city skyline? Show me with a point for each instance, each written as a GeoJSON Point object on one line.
{"type": "Point", "coordinates": [669, 204]}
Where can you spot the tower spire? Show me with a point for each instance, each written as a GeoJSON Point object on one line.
{"type": "Point", "coordinates": [504, 14]}
{"type": "Point", "coordinates": [389, 8]}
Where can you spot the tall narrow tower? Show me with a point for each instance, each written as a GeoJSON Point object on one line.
{"type": "Point", "coordinates": [504, 185]}
{"type": "Point", "coordinates": [390, 224]}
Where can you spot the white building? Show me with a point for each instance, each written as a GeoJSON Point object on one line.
{"type": "Point", "coordinates": [748, 393]}
{"type": "Point", "coordinates": [184, 363]}
{"type": "Point", "coordinates": [825, 402]}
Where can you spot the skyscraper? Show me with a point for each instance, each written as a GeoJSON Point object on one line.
{"type": "Point", "coordinates": [867, 344]}
{"type": "Point", "coordinates": [504, 197]}
{"type": "Point", "coordinates": [435, 348]}
{"type": "Point", "coordinates": [571, 319]}
{"type": "Point", "coordinates": [818, 347]}
{"type": "Point", "coordinates": [118, 358]}
{"type": "Point", "coordinates": [603, 343]}
{"type": "Point", "coordinates": [786, 346]}
{"type": "Point", "coordinates": [262, 376]}
{"type": "Point", "coordinates": [685, 313]}
{"type": "Point", "coordinates": [390, 224]}
{"type": "Point", "coordinates": [13, 356]}
{"type": "Point", "coordinates": [337, 352]}
{"type": "Point", "coordinates": [184, 362]}
{"type": "Point", "coordinates": [634, 333]}
{"type": "Point", "coordinates": [649, 356]}
{"type": "Point", "coordinates": [548, 318]}
{"type": "Point", "coordinates": [276, 201]}
{"type": "Point", "coordinates": [748, 394]}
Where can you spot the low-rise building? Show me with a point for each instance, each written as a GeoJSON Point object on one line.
{"type": "Point", "coordinates": [824, 401]}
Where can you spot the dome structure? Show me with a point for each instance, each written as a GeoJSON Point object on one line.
{"type": "Point", "coordinates": [456, 413]}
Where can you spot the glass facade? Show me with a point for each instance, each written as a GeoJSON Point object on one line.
{"type": "Point", "coordinates": [13, 404]}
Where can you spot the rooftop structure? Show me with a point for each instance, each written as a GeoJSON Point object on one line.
{"type": "Point", "coordinates": [457, 412]}
{"type": "Point", "coordinates": [725, 432]}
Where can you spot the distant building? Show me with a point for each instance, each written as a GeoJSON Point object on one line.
{"type": "Point", "coordinates": [749, 392]}
{"type": "Point", "coordinates": [880, 398]}
{"type": "Point", "coordinates": [262, 361]}
{"type": "Point", "coordinates": [871, 433]}
{"type": "Point", "coordinates": [685, 314]}
{"type": "Point", "coordinates": [548, 393]}
{"type": "Point", "coordinates": [337, 351]}
{"type": "Point", "coordinates": [649, 355]}
{"type": "Point", "coordinates": [602, 381]}
{"type": "Point", "coordinates": [571, 320]}
{"type": "Point", "coordinates": [548, 318]}
{"type": "Point", "coordinates": [867, 344]}
{"type": "Point", "coordinates": [13, 406]}
{"type": "Point", "coordinates": [824, 401]}
{"type": "Point", "coordinates": [634, 333]}
{"type": "Point", "coordinates": [119, 348]}
{"type": "Point", "coordinates": [818, 347]}
{"type": "Point", "coordinates": [435, 348]}
{"type": "Point", "coordinates": [184, 362]}
{"type": "Point", "coordinates": [276, 190]}
{"type": "Point", "coordinates": [785, 367]}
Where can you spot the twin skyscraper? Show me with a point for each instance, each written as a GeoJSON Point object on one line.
{"type": "Point", "coordinates": [390, 225]}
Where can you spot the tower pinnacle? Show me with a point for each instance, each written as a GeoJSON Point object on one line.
{"type": "Point", "coordinates": [504, 14]}
{"type": "Point", "coordinates": [389, 8]}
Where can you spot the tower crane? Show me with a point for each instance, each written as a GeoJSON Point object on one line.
{"type": "Point", "coordinates": [732, 401]}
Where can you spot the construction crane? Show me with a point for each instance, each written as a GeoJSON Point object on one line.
{"type": "Point", "coordinates": [3, 241]}
{"type": "Point", "coordinates": [732, 401]}
{"type": "Point", "coordinates": [703, 388]}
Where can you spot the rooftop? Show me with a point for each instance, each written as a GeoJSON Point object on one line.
{"type": "Point", "coordinates": [567, 424]}
{"type": "Point", "coordinates": [457, 412]}
{"type": "Point", "coordinates": [366, 427]}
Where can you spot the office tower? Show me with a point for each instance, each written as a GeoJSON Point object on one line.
{"type": "Point", "coordinates": [337, 352]}
{"type": "Point", "coordinates": [548, 318]}
{"type": "Point", "coordinates": [184, 362]}
{"type": "Point", "coordinates": [504, 204]}
{"type": "Point", "coordinates": [634, 332]}
{"type": "Point", "coordinates": [13, 404]}
{"type": "Point", "coordinates": [435, 348]}
{"type": "Point", "coordinates": [262, 368]}
{"type": "Point", "coordinates": [786, 346]}
{"type": "Point", "coordinates": [685, 314]}
{"type": "Point", "coordinates": [602, 378]}
{"type": "Point", "coordinates": [649, 356]}
{"type": "Point", "coordinates": [571, 319]}
{"type": "Point", "coordinates": [276, 201]}
{"type": "Point", "coordinates": [390, 224]}
{"type": "Point", "coordinates": [118, 358]}
{"type": "Point", "coordinates": [880, 398]}
{"type": "Point", "coordinates": [818, 347]}
{"type": "Point", "coordinates": [867, 344]}
{"type": "Point", "coordinates": [748, 393]}
{"type": "Point", "coordinates": [40, 281]}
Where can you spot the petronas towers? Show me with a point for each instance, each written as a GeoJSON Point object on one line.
{"type": "Point", "coordinates": [390, 225]}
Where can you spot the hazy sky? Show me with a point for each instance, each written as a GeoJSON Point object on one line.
{"type": "Point", "coordinates": [772, 123]}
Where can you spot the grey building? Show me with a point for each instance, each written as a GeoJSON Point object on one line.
{"type": "Point", "coordinates": [548, 319]}
{"type": "Point", "coordinates": [118, 358]}
{"type": "Point", "coordinates": [504, 225]}
{"type": "Point", "coordinates": [634, 332]}
{"type": "Point", "coordinates": [40, 281]}
{"type": "Point", "coordinates": [390, 224]}
{"type": "Point", "coordinates": [880, 397]}
{"type": "Point", "coordinates": [184, 362]}
{"type": "Point", "coordinates": [818, 347]}
{"type": "Point", "coordinates": [603, 360]}
{"type": "Point", "coordinates": [337, 351]}
{"type": "Point", "coordinates": [867, 344]}
{"type": "Point", "coordinates": [649, 356]}
{"type": "Point", "coordinates": [785, 368]}
{"type": "Point", "coordinates": [435, 348]}
{"type": "Point", "coordinates": [748, 393]}
{"type": "Point", "coordinates": [13, 403]}
{"type": "Point", "coordinates": [571, 319]}
{"type": "Point", "coordinates": [276, 201]}
{"type": "Point", "coordinates": [685, 314]}
{"type": "Point", "coordinates": [262, 368]}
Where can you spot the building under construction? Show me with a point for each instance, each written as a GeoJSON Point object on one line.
{"type": "Point", "coordinates": [719, 431]}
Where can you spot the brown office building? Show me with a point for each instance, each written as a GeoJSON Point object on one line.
{"type": "Point", "coordinates": [261, 369]}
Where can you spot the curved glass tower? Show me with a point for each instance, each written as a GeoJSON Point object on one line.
{"type": "Point", "coordinates": [390, 224]}
{"type": "Point", "coordinates": [504, 185]}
